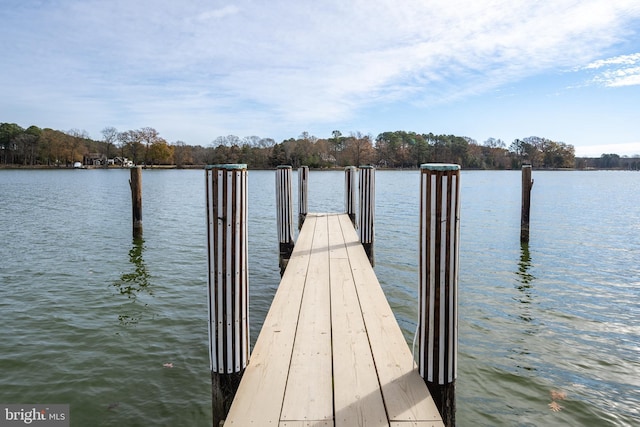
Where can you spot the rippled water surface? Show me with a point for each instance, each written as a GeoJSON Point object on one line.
{"type": "Point", "coordinates": [90, 316]}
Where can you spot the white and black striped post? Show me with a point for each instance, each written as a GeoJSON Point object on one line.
{"type": "Point", "coordinates": [367, 204]}
{"type": "Point", "coordinates": [284, 205]}
{"type": "Point", "coordinates": [226, 199]}
{"type": "Point", "coordinates": [439, 239]}
{"type": "Point", "coordinates": [350, 192]}
{"type": "Point", "coordinates": [303, 201]}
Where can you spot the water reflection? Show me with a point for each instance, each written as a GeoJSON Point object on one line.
{"type": "Point", "coordinates": [524, 282]}
{"type": "Point", "coordinates": [133, 283]}
{"type": "Point", "coordinates": [523, 354]}
{"type": "Point", "coordinates": [523, 267]}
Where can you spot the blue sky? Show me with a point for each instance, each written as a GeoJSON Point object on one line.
{"type": "Point", "coordinates": [567, 70]}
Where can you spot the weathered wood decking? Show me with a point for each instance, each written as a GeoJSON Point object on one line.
{"type": "Point", "coordinates": [330, 352]}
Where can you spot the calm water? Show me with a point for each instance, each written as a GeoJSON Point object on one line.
{"type": "Point", "coordinates": [89, 317]}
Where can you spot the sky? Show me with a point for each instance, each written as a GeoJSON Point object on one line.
{"type": "Point", "coordinates": [566, 70]}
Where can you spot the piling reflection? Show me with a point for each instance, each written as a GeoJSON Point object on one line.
{"type": "Point", "coordinates": [523, 354]}
{"type": "Point", "coordinates": [132, 284]}
{"type": "Point", "coordinates": [525, 279]}
{"type": "Point", "coordinates": [523, 267]}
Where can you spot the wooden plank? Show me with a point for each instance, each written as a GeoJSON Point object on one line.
{"type": "Point", "coordinates": [358, 401]}
{"type": "Point", "coordinates": [357, 397]}
{"type": "Point", "coordinates": [337, 247]}
{"type": "Point", "coordinates": [312, 423]}
{"type": "Point", "coordinates": [309, 394]}
{"type": "Point", "coordinates": [405, 394]}
{"type": "Point", "coordinates": [258, 400]}
{"type": "Point", "coordinates": [415, 424]}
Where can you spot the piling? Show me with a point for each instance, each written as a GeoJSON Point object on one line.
{"type": "Point", "coordinates": [135, 182]}
{"type": "Point", "coordinates": [527, 184]}
{"type": "Point", "coordinates": [303, 201]}
{"type": "Point", "coordinates": [350, 192]}
{"type": "Point", "coordinates": [228, 291]}
{"type": "Point", "coordinates": [438, 324]}
{"type": "Point", "coordinates": [284, 206]}
{"type": "Point", "coordinates": [367, 203]}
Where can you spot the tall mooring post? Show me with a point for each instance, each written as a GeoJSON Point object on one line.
{"type": "Point", "coordinates": [284, 206]}
{"type": "Point", "coordinates": [367, 205]}
{"type": "Point", "coordinates": [350, 192]}
{"type": "Point", "coordinates": [135, 182]}
{"type": "Point", "coordinates": [527, 184]}
{"type": "Point", "coordinates": [228, 287]}
{"type": "Point", "coordinates": [303, 200]}
{"type": "Point", "coordinates": [439, 239]}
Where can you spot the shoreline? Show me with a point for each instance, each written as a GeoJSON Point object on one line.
{"type": "Point", "coordinates": [198, 167]}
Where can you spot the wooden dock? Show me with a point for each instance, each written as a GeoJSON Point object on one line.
{"type": "Point", "coordinates": [330, 352]}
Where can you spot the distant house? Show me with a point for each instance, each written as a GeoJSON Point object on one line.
{"type": "Point", "coordinates": [122, 161]}
{"type": "Point", "coordinates": [94, 159]}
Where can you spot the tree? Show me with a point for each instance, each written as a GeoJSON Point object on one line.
{"type": "Point", "coordinates": [26, 144]}
{"type": "Point", "coordinates": [494, 143]}
{"type": "Point", "coordinates": [34, 132]}
{"type": "Point", "coordinates": [458, 149]}
{"type": "Point", "coordinates": [77, 142]}
{"type": "Point", "coordinates": [278, 155]}
{"type": "Point", "coordinates": [131, 146]}
{"type": "Point", "coordinates": [420, 150]}
{"type": "Point", "coordinates": [358, 150]}
{"type": "Point", "coordinates": [8, 134]}
{"type": "Point", "coordinates": [182, 154]}
{"type": "Point", "coordinates": [387, 147]}
{"type": "Point", "coordinates": [301, 152]}
{"type": "Point", "coordinates": [160, 152]}
{"type": "Point", "coordinates": [54, 146]}
{"type": "Point", "coordinates": [226, 141]}
{"type": "Point", "coordinates": [110, 135]}
{"type": "Point", "coordinates": [520, 152]}
{"type": "Point", "coordinates": [558, 155]}
{"type": "Point", "coordinates": [609, 161]}
{"type": "Point", "coordinates": [306, 136]}
{"type": "Point", "coordinates": [149, 136]}
{"type": "Point", "coordinates": [336, 145]}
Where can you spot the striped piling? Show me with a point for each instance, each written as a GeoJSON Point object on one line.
{"type": "Point", "coordinates": [303, 201]}
{"type": "Point", "coordinates": [527, 183]}
{"type": "Point", "coordinates": [228, 290]}
{"type": "Point", "coordinates": [350, 192]}
{"type": "Point", "coordinates": [439, 239]}
{"type": "Point", "coordinates": [135, 182]}
{"type": "Point", "coordinates": [284, 206]}
{"type": "Point", "coordinates": [367, 203]}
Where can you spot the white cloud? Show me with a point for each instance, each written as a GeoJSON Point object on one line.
{"type": "Point", "coordinates": [619, 71]}
{"type": "Point", "coordinates": [618, 60]}
{"type": "Point", "coordinates": [216, 14]}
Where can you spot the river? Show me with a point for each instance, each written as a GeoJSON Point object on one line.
{"type": "Point", "coordinates": [89, 317]}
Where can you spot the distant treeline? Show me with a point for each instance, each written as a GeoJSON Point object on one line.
{"type": "Point", "coordinates": [34, 146]}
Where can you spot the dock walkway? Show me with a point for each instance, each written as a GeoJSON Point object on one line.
{"type": "Point", "coordinates": [330, 352]}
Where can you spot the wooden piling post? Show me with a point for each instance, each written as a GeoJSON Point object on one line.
{"type": "Point", "coordinates": [527, 184]}
{"type": "Point", "coordinates": [438, 324]}
{"type": "Point", "coordinates": [367, 203]}
{"type": "Point", "coordinates": [350, 192]}
{"type": "Point", "coordinates": [284, 205]}
{"type": "Point", "coordinates": [135, 182]}
{"type": "Point", "coordinates": [303, 201]}
{"type": "Point", "coordinates": [228, 290]}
